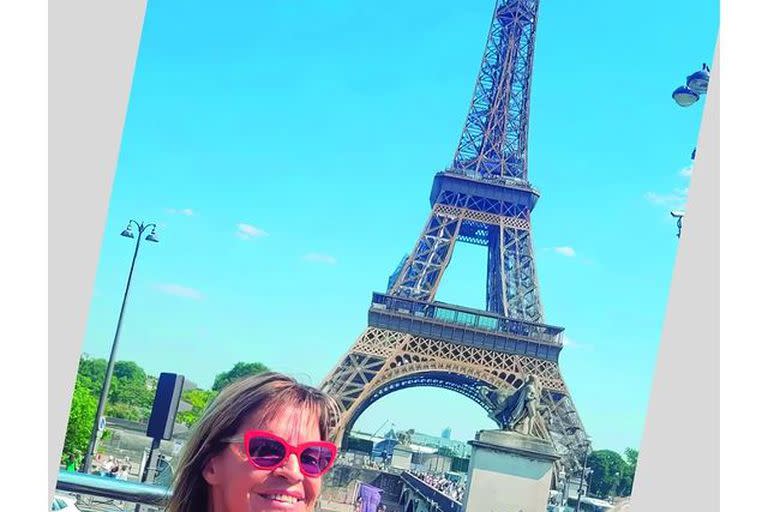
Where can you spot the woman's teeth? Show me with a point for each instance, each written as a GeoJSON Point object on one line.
{"type": "Point", "coordinates": [282, 498]}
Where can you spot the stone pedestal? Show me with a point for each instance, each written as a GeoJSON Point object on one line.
{"type": "Point", "coordinates": [509, 472]}
{"type": "Point", "coordinates": [401, 458]}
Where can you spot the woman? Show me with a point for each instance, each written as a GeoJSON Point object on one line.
{"type": "Point", "coordinates": [73, 461]}
{"type": "Point", "coordinates": [261, 446]}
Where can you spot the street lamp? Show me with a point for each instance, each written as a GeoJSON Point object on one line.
{"type": "Point", "coordinates": [684, 96]}
{"type": "Point", "coordinates": [128, 233]}
{"type": "Point", "coordinates": [698, 82]}
{"type": "Point", "coordinates": [679, 216]}
{"type": "Point", "coordinates": [583, 476]}
{"type": "Point", "coordinates": [695, 86]}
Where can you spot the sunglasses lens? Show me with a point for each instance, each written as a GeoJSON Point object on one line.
{"type": "Point", "coordinates": [266, 453]}
{"type": "Point", "coordinates": [316, 459]}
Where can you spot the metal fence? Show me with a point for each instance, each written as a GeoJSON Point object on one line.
{"type": "Point", "coordinates": [100, 493]}
{"type": "Point", "coordinates": [430, 494]}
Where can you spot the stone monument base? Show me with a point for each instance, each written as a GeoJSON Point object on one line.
{"type": "Point", "coordinates": [509, 472]}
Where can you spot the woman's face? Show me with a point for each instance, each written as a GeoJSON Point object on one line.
{"type": "Point", "coordinates": [236, 486]}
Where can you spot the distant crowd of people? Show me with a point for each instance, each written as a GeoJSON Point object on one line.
{"type": "Point", "coordinates": [366, 462]}
{"type": "Point", "coordinates": [108, 466]}
{"type": "Point", "coordinates": [373, 464]}
{"type": "Point", "coordinates": [452, 489]}
{"type": "Point", "coordinates": [114, 468]}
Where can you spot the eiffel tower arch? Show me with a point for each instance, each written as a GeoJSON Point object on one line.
{"type": "Point", "coordinates": [482, 198]}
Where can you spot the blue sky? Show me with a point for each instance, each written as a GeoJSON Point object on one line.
{"type": "Point", "coordinates": [287, 150]}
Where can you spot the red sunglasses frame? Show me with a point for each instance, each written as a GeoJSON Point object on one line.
{"type": "Point", "coordinates": [290, 449]}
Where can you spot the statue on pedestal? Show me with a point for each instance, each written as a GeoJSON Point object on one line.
{"type": "Point", "coordinates": [404, 438]}
{"type": "Point", "coordinates": [515, 410]}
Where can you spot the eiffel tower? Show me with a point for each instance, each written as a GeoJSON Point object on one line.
{"type": "Point", "coordinates": [483, 198]}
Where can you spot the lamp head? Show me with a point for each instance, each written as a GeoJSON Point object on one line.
{"type": "Point", "coordinates": [684, 96]}
{"type": "Point", "coordinates": [699, 81]}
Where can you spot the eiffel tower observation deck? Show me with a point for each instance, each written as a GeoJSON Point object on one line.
{"type": "Point", "coordinates": [483, 198]}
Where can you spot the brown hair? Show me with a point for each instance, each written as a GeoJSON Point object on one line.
{"type": "Point", "coordinates": [266, 394]}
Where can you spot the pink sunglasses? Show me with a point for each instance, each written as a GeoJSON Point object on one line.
{"type": "Point", "coordinates": [265, 450]}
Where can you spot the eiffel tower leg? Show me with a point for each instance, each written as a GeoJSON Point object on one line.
{"type": "Point", "coordinates": [382, 361]}
{"type": "Point", "coordinates": [518, 276]}
{"type": "Point", "coordinates": [422, 271]}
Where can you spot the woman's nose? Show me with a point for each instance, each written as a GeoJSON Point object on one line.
{"type": "Point", "coordinates": [290, 469]}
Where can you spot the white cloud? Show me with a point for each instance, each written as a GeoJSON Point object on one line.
{"type": "Point", "coordinates": [178, 291]}
{"type": "Point", "coordinates": [185, 211]}
{"type": "Point", "coordinates": [568, 342]}
{"type": "Point", "coordinates": [246, 232]}
{"type": "Point", "coordinates": [566, 251]}
{"type": "Point", "coordinates": [316, 257]}
{"type": "Point", "coordinates": [676, 199]}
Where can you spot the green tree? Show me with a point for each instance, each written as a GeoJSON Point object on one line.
{"type": "Point", "coordinates": [94, 370]}
{"type": "Point", "coordinates": [82, 414]}
{"type": "Point", "coordinates": [124, 412]}
{"type": "Point", "coordinates": [610, 473]}
{"type": "Point", "coordinates": [128, 370]}
{"type": "Point", "coordinates": [237, 372]}
{"type": "Point", "coordinates": [630, 455]}
{"type": "Point", "coordinates": [198, 400]}
{"type": "Point", "coordinates": [131, 390]}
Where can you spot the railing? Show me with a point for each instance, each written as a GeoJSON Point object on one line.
{"type": "Point", "coordinates": [507, 181]}
{"type": "Point", "coordinates": [429, 493]}
{"type": "Point", "coordinates": [471, 318]}
{"type": "Point", "coordinates": [112, 488]}
{"type": "Point", "coordinates": [157, 496]}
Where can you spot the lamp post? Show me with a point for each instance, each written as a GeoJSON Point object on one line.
{"type": "Point", "coordinates": [583, 476]}
{"type": "Point", "coordinates": [679, 216]}
{"type": "Point", "coordinates": [696, 85]}
{"type": "Point", "coordinates": [128, 233]}
{"type": "Point", "coordinates": [570, 431]}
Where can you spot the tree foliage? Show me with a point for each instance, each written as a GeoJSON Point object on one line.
{"type": "Point", "coordinates": [630, 454]}
{"type": "Point", "coordinates": [94, 370]}
{"type": "Point", "coordinates": [130, 385]}
{"type": "Point", "coordinates": [198, 400]}
{"type": "Point", "coordinates": [131, 393]}
{"type": "Point", "coordinates": [82, 414]}
{"type": "Point", "coordinates": [612, 475]}
{"type": "Point", "coordinates": [239, 371]}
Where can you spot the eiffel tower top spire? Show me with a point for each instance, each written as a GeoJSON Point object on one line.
{"type": "Point", "coordinates": [494, 143]}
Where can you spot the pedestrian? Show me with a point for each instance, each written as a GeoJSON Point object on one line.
{"type": "Point", "coordinates": [123, 474]}
{"type": "Point", "coordinates": [71, 462]}
{"type": "Point", "coordinates": [107, 465]}
{"type": "Point", "coordinates": [261, 445]}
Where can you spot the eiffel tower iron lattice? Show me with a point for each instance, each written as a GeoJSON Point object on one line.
{"type": "Point", "coordinates": [483, 198]}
